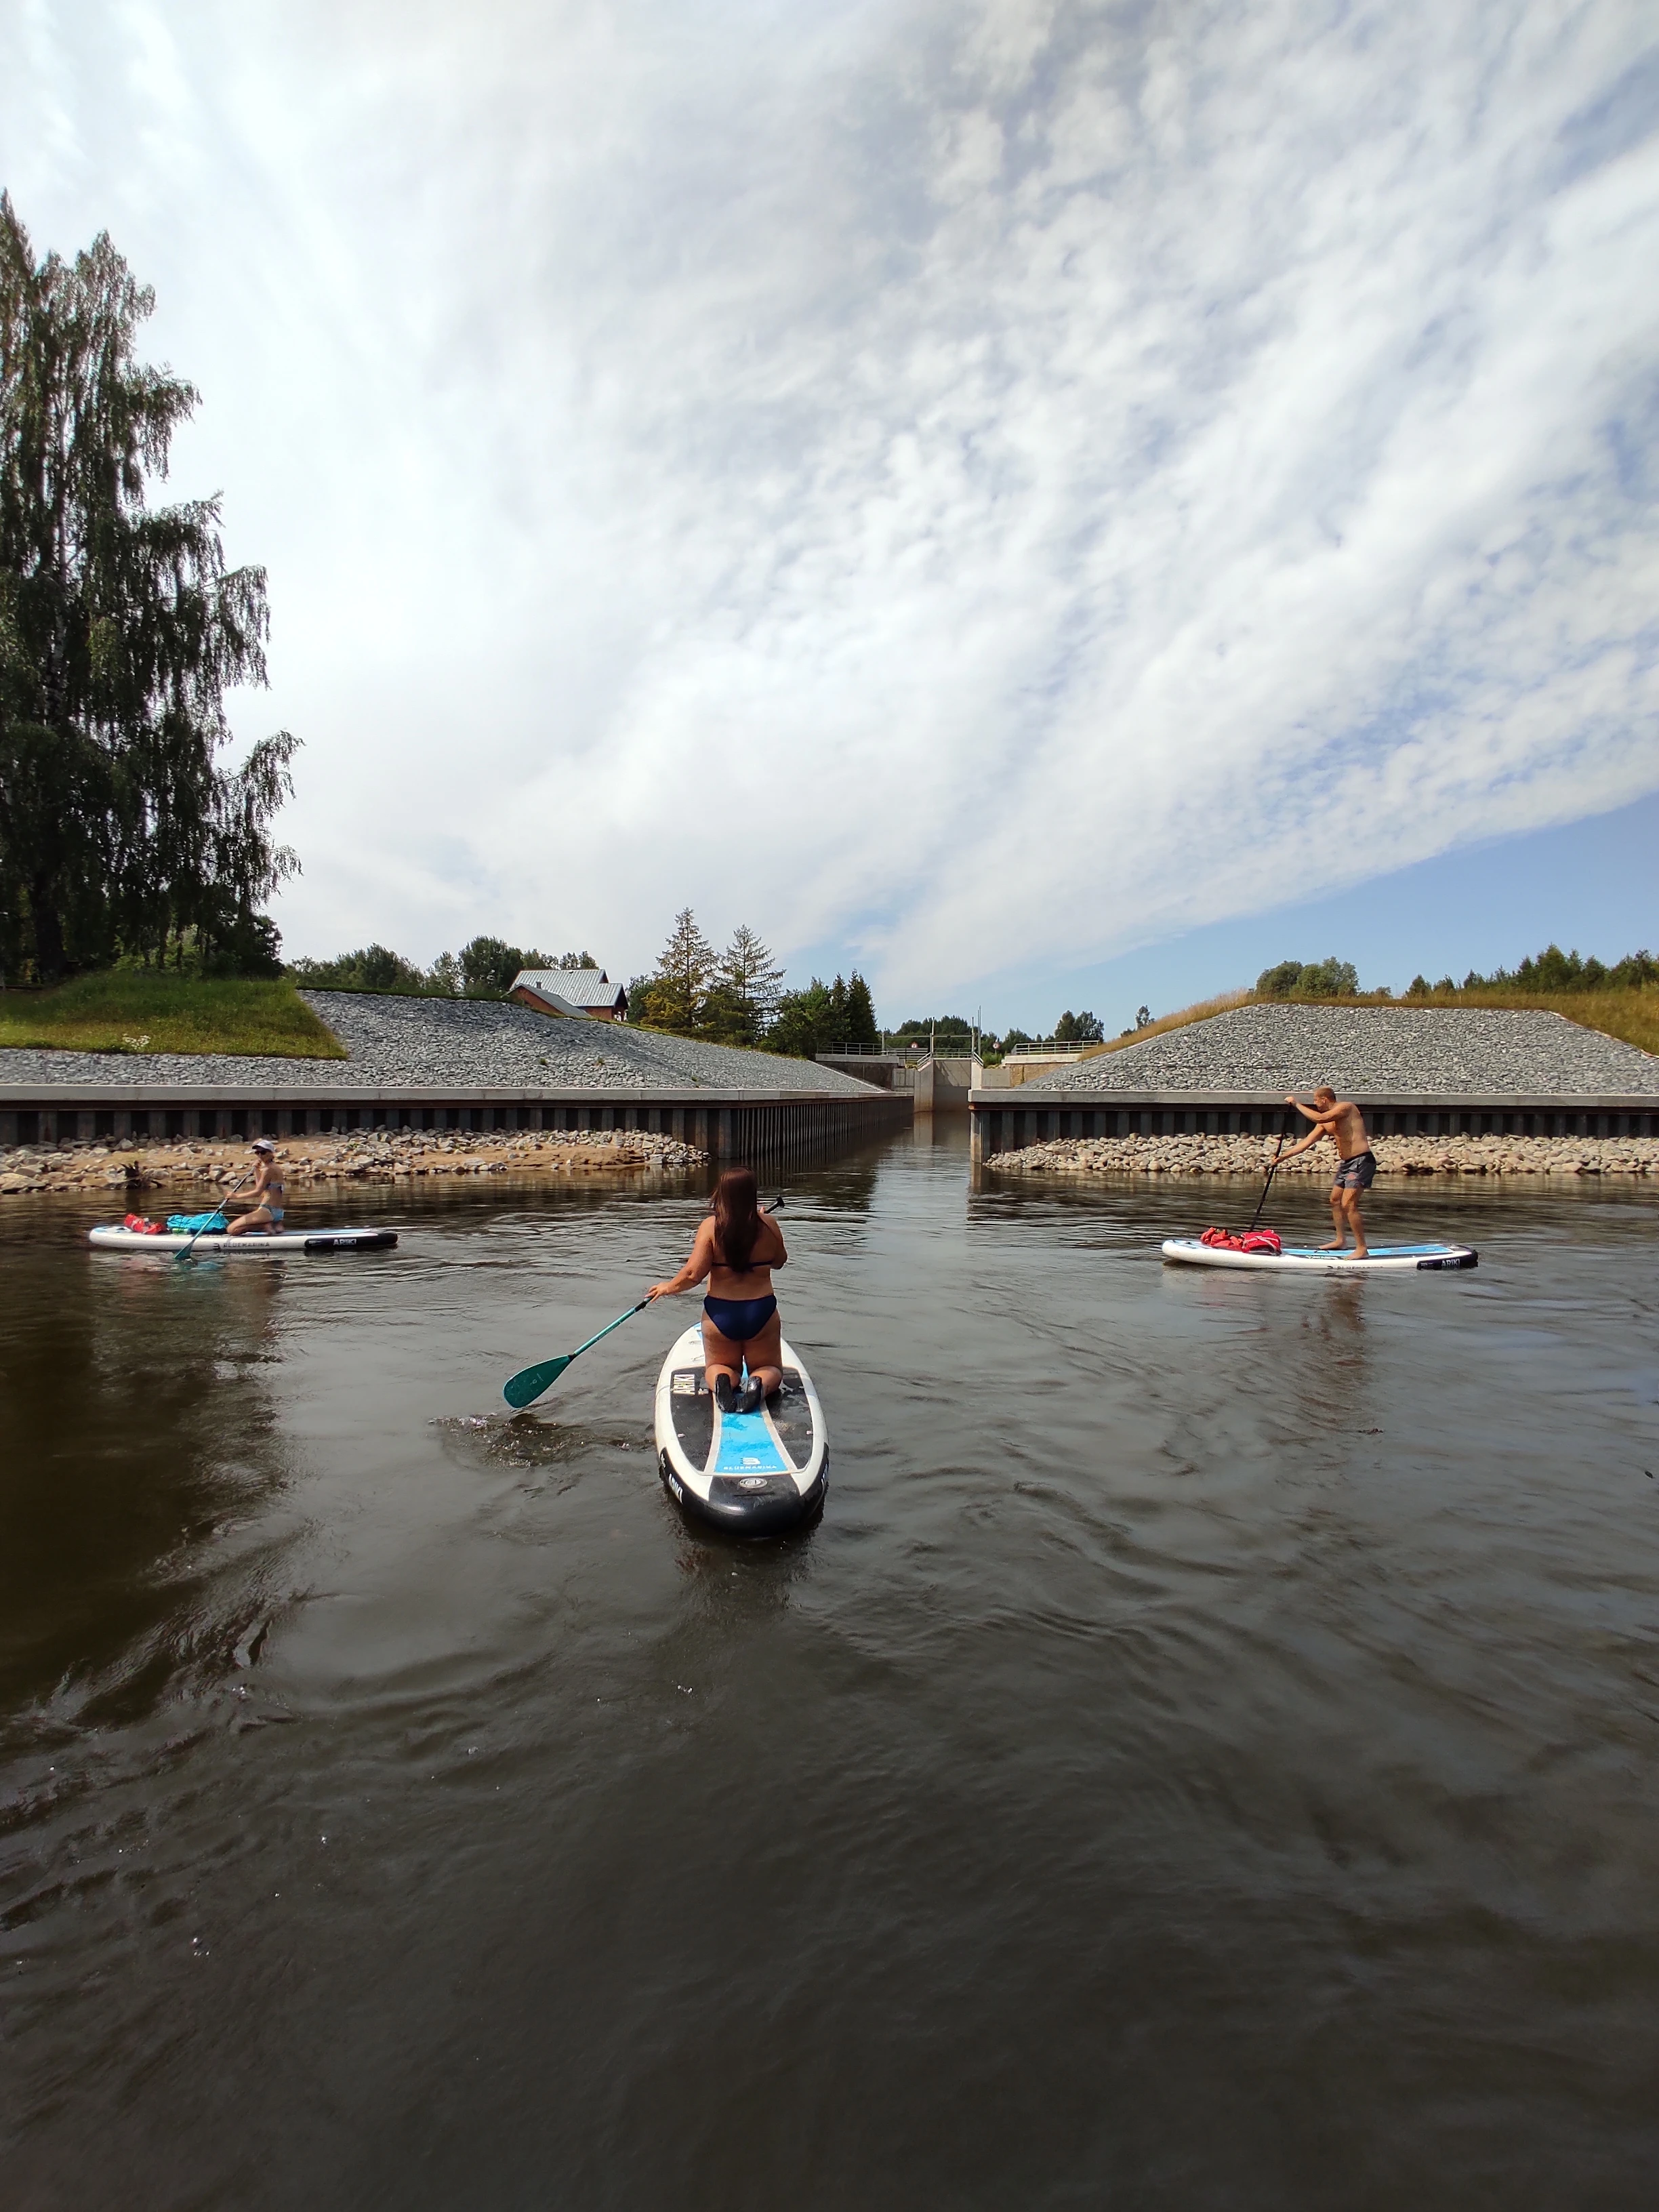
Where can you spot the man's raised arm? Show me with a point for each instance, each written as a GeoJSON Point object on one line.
{"type": "Point", "coordinates": [1324, 1123]}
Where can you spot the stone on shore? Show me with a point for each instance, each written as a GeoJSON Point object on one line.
{"type": "Point", "coordinates": [367, 1156]}
{"type": "Point", "coordinates": [1396, 1155]}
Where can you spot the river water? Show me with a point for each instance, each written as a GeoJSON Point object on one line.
{"type": "Point", "coordinates": [1207, 1755]}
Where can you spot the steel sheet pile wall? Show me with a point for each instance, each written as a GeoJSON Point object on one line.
{"type": "Point", "coordinates": [783, 1129]}
{"type": "Point", "coordinates": [999, 1128]}
{"type": "Point", "coordinates": [1416, 1070]}
{"type": "Point", "coordinates": [477, 1064]}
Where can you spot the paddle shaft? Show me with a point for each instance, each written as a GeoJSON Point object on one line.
{"type": "Point", "coordinates": [1284, 1131]}
{"type": "Point", "coordinates": [213, 1210]}
{"type": "Point", "coordinates": [609, 1326]}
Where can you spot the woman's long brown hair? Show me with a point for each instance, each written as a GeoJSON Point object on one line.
{"type": "Point", "coordinates": [737, 1218]}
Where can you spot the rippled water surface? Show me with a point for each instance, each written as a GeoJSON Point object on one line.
{"type": "Point", "coordinates": [1208, 1754]}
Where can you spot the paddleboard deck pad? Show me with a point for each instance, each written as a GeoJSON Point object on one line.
{"type": "Point", "coordinates": [1309, 1260]}
{"type": "Point", "coordinates": [757, 1474]}
{"type": "Point", "coordinates": [115, 1238]}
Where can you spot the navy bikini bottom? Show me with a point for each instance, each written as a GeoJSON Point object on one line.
{"type": "Point", "coordinates": [738, 1320]}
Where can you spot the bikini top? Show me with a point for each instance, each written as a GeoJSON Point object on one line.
{"type": "Point", "coordinates": [753, 1267]}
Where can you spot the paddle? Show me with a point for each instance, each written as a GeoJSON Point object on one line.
{"type": "Point", "coordinates": [213, 1215]}
{"type": "Point", "coordinates": [520, 1390]}
{"type": "Point", "coordinates": [1284, 1131]}
{"type": "Point", "coordinates": [523, 1389]}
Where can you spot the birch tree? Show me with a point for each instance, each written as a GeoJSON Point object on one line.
{"type": "Point", "coordinates": [121, 630]}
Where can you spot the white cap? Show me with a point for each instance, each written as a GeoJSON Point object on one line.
{"type": "Point", "coordinates": [264, 1144]}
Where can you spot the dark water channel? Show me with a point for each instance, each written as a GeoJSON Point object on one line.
{"type": "Point", "coordinates": [1208, 1755]}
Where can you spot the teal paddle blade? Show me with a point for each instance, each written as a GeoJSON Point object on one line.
{"type": "Point", "coordinates": [530, 1382]}
{"type": "Point", "coordinates": [520, 1390]}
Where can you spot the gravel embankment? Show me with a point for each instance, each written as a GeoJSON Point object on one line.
{"type": "Point", "coordinates": [377, 1156]}
{"type": "Point", "coordinates": [1474, 1052]}
{"type": "Point", "coordinates": [1396, 1155]}
{"type": "Point", "coordinates": [429, 1043]}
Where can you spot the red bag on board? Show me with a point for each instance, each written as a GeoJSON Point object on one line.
{"type": "Point", "coordinates": [1248, 1240]}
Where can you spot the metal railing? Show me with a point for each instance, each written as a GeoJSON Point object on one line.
{"type": "Point", "coordinates": [955, 1046]}
{"type": "Point", "coordinates": [895, 1051]}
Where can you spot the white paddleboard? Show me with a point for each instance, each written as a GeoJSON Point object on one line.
{"type": "Point", "coordinates": [755, 1474]}
{"type": "Point", "coordinates": [115, 1238]}
{"type": "Point", "coordinates": [1309, 1260]}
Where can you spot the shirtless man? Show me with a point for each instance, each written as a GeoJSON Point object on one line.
{"type": "Point", "coordinates": [1342, 1121]}
{"type": "Point", "coordinates": [266, 1199]}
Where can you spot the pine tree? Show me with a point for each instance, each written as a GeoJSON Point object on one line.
{"type": "Point", "coordinates": [860, 1013]}
{"type": "Point", "coordinates": [750, 973]}
{"type": "Point", "coordinates": [120, 631]}
{"type": "Point", "coordinates": [679, 983]}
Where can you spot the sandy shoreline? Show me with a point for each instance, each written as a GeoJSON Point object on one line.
{"type": "Point", "coordinates": [368, 1156]}
{"type": "Point", "coordinates": [1540, 1157]}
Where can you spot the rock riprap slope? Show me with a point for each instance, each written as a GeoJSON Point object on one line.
{"type": "Point", "coordinates": [370, 1156]}
{"type": "Point", "coordinates": [429, 1043]}
{"type": "Point", "coordinates": [1396, 1155]}
{"type": "Point", "coordinates": [1370, 1052]}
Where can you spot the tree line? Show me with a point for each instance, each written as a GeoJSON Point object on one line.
{"type": "Point", "coordinates": [483, 969]}
{"type": "Point", "coordinates": [121, 630]}
{"type": "Point", "coordinates": [953, 1035]}
{"type": "Point", "coordinates": [1542, 973]}
{"type": "Point", "coordinates": [737, 997]}
{"type": "Point", "coordinates": [1551, 971]}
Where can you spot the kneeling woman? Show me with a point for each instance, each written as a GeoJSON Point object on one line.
{"type": "Point", "coordinates": [736, 1249]}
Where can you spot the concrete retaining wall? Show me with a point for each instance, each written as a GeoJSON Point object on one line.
{"type": "Point", "coordinates": [944, 1085]}
{"type": "Point", "coordinates": [783, 1129]}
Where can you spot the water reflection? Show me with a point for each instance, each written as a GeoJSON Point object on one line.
{"type": "Point", "coordinates": [1205, 1695]}
{"type": "Point", "coordinates": [144, 1463]}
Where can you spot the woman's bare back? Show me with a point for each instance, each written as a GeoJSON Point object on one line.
{"type": "Point", "coordinates": [754, 1281]}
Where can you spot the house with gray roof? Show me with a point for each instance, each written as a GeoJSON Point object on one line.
{"type": "Point", "coordinates": [566, 991]}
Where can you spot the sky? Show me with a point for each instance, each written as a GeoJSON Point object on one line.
{"type": "Point", "coordinates": [1047, 504]}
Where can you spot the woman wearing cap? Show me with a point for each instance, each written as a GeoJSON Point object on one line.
{"type": "Point", "coordinates": [265, 1207]}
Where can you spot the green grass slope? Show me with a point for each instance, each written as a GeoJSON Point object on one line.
{"type": "Point", "coordinates": [145, 1010]}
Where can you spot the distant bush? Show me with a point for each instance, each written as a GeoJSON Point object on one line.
{"type": "Point", "coordinates": [372, 968]}
{"type": "Point", "coordinates": [1321, 979]}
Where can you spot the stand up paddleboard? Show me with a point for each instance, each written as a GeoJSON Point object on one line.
{"type": "Point", "coordinates": [115, 1238]}
{"type": "Point", "coordinates": [755, 1474]}
{"type": "Point", "coordinates": [1308, 1260]}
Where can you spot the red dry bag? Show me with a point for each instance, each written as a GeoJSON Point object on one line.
{"type": "Point", "coordinates": [1250, 1240]}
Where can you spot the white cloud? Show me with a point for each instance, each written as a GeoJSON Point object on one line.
{"type": "Point", "coordinates": [961, 484]}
